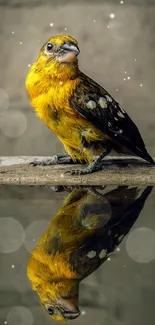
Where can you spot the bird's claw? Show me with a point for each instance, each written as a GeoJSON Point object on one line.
{"type": "Point", "coordinates": [78, 171]}
{"type": "Point", "coordinates": [46, 162]}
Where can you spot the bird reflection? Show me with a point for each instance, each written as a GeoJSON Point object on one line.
{"type": "Point", "coordinates": [85, 231]}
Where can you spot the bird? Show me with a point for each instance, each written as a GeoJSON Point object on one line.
{"type": "Point", "coordinates": [83, 115]}
{"type": "Point", "coordinates": [88, 227]}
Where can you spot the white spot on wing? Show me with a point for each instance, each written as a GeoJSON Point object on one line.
{"type": "Point", "coordinates": [91, 254]}
{"type": "Point", "coordinates": [102, 253]}
{"type": "Point", "coordinates": [102, 102]}
{"type": "Point", "coordinates": [91, 104]}
{"type": "Point", "coordinates": [120, 114]}
{"type": "Point", "coordinates": [108, 98]}
{"type": "Point", "coordinates": [122, 110]}
{"type": "Point", "coordinates": [120, 237]}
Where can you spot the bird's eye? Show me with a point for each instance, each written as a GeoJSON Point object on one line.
{"type": "Point", "coordinates": [49, 46]}
{"type": "Point", "coordinates": [50, 311]}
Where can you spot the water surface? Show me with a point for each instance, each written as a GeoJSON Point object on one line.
{"type": "Point", "coordinates": [122, 226]}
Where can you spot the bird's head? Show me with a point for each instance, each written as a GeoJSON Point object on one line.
{"type": "Point", "coordinates": [58, 56]}
{"type": "Point", "coordinates": [60, 299]}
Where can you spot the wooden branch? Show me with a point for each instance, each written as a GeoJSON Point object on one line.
{"type": "Point", "coordinates": [116, 171]}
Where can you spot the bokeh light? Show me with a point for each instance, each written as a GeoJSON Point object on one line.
{"type": "Point", "coordinates": [140, 245]}
{"type": "Point", "coordinates": [19, 315]}
{"type": "Point", "coordinates": [11, 235]}
{"type": "Point", "coordinates": [33, 233]}
{"type": "Point", "coordinates": [93, 222]}
{"type": "Point", "coordinates": [13, 123]}
{"type": "Point", "coordinates": [4, 100]}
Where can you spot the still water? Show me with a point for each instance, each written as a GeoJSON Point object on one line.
{"type": "Point", "coordinates": [69, 250]}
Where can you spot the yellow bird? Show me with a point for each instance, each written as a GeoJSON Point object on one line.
{"type": "Point", "coordinates": [82, 114]}
{"type": "Point", "coordinates": [84, 232]}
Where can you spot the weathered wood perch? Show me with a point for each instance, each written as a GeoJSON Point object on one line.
{"type": "Point", "coordinates": [116, 171]}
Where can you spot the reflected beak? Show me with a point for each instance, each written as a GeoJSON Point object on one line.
{"type": "Point", "coordinates": [70, 308]}
{"type": "Point", "coordinates": [71, 315]}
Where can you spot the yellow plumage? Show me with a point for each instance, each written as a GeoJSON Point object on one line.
{"type": "Point", "coordinates": [85, 118]}
{"type": "Point", "coordinates": [87, 222]}
{"type": "Point", "coordinates": [50, 86]}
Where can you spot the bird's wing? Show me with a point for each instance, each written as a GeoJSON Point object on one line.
{"type": "Point", "coordinates": [95, 104]}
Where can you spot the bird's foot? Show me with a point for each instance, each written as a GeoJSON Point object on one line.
{"type": "Point", "coordinates": [93, 167]}
{"type": "Point", "coordinates": [54, 160]}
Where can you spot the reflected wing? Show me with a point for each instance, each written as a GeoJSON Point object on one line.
{"type": "Point", "coordinates": [97, 106]}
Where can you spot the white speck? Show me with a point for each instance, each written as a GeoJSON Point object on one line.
{"type": "Point", "coordinates": [115, 118]}
{"type": "Point", "coordinates": [34, 240]}
{"type": "Point", "coordinates": [108, 259]}
{"type": "Point", "coordinates": [102, 253]}
{"type": "Point", "coordinates": [118, 249]}
{"type": "Point", "coordinates": [116, 89]}
{"type": "Point", "coordinates": [65, 28]}
{"type": "Point", "coordinates": [109, 124]}
{"type": "Point", "coordinates": [125, 71]}
{"type": "Point", "coordinates": [141, 85]}
{"type": "Point", "coordinates": [29, 65]}
{"type": "Point", "coordinates": [108, 26]}
{"type": "Point", "coordinates": [38, 41]}
{"type": "Point", "coordinates": [124, 79]}
{"type": "Point", "coordinates": [115, 135]}
{"type": "Point", "coordinates": [91, 254]}
{"type": "Point", "coordinates": [102, 102]}
{"type": "Point", "coordinates": [94, 21]}
{"type": "Point", "coordinates": [5, 322]}
{"type": "Point", "coordinates": [83, 312]}
{"type": "Point", "coordinates": [108, 98]}
{"type": "Point", "coordinates": [62, 175]}
{"type": "Point", "coordinates": [21, 43]}
{"type": "Point", "coordinates": [135, 60]}
{"type": "Point", "coordinates": [51, 24]}
{"type": "Point", "coordinates": [61, 83]}
{"type": "Point", "coordinates": [13, 266]}
{"type": "Point", "coordinates": [112, 15]}
{"type": "Point", "coordinates": [13, 32]}
{"type": "Point", "coordinates": [120, 131]}
{"type": "Point", "coordinates": [128, 78]}
{"type": "Point", "coordinates": [124, 265]}
{"type": "Point", "coordinates": [121, 2]}
{"type": "Point", "coordinates": [91, 104]}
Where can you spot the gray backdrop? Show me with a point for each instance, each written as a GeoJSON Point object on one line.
{"type": "Point", "coordinates": [121, 292]}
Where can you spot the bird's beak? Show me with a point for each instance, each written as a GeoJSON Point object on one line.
{"type": "Point", "coordinates": [70, 48]}
{"type": "Point", "coordinates": [69, 53]}
{"type": "Point", "coordinates": [70, 308]}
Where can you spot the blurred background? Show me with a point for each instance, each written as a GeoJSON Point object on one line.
{"type": "Point", "coordinates": [117, 50]}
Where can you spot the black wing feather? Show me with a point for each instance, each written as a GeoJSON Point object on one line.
{"type": "Point", "coordinates": [112, 119]}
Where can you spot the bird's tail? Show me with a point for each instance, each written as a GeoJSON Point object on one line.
{"type": "Point", "coordinates": [144, 154]}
